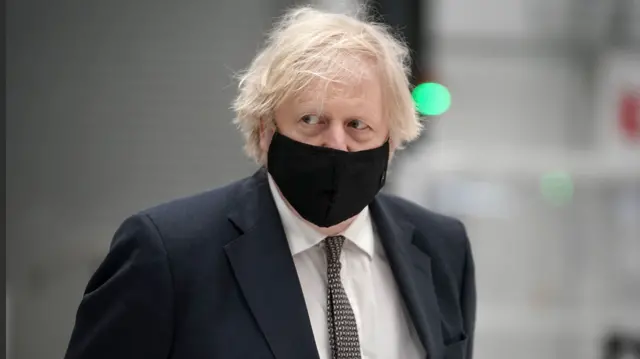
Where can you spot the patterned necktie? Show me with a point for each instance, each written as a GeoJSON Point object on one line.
{"type": "Point", "coordinates": [343, 331]}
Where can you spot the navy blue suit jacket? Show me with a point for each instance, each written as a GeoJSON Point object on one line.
{"type": "Point", "coordinates": [211, 276]}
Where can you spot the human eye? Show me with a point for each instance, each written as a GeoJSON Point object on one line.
{"type": "Point", "coordinates": [310, 119]}
{"type": "Point", "coordinates": [357, 124]}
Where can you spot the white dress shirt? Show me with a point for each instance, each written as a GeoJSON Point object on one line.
{"type": "Point", "coordinates": [384, 326]}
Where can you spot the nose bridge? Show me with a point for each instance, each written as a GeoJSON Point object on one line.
{"type": "Point", "coordinates": [335, 136]}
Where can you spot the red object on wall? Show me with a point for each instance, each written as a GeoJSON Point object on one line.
{"type": "Point", "coordinates": [630, 115]}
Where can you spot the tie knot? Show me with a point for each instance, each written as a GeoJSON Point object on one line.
{"type": "Point", "coordinates": [333, 247]}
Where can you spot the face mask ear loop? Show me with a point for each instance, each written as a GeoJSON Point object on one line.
{"type": "Point", "coordinates": [275, 130]}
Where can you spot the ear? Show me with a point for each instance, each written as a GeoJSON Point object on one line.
{"type": "Point", "coordinates": [266, 133]}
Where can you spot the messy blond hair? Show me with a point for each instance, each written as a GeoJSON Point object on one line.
{"type": "Point", "coordinates": [308, 44]}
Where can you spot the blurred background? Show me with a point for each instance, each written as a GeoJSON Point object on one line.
{"type": "Point", "coordinates": [115, 106]}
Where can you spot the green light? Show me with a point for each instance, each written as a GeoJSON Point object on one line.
{"type": "Point", "coordinates": [432, 99]}
{"type": "Point", "coordinates": [557, 187]}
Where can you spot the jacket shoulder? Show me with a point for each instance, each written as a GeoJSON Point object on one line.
{"type": "Point", "coordinates": [197, 205]}
{"type": "Point", "coordinates": [419, 216]}
{"type": "Point", "coordinates": [184, 221]}
{"type": "Point", "coordinates": [443, 236]}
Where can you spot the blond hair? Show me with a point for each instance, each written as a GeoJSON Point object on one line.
{"type": "Point", "coordinates": [308, 44]}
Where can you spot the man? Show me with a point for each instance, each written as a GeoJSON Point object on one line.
{"type": "Point", "coordinates": [305, 259]}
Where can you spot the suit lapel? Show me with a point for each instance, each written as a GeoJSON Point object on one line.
{"type": "Point", "coordinates": [412, 271]}
{"type": "Point", "coordinates": [264, 268]}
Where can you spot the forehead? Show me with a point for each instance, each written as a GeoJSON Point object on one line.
{"type": "Point", "coordinates": [358, 85]}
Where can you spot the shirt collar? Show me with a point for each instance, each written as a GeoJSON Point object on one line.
{"type": "Point", "coordinates": [301, 236]}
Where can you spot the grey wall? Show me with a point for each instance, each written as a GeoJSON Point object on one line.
{"type": "Point", "coordinates": [112, 106]}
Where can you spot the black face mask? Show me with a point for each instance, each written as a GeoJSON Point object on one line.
{"type": "Point", "coordinates": [324, 185]}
